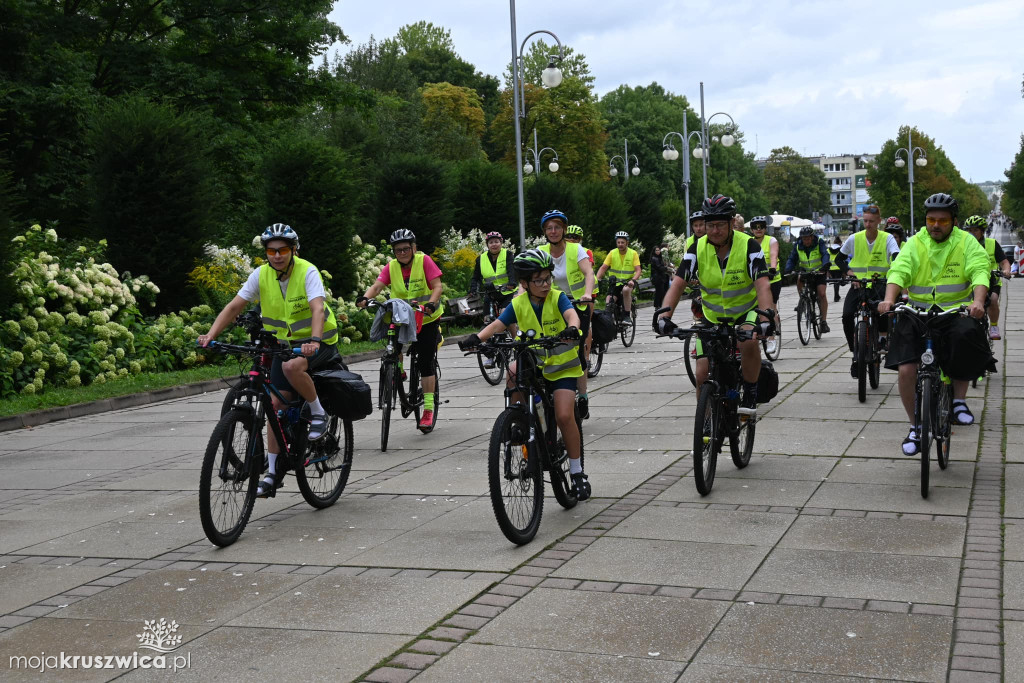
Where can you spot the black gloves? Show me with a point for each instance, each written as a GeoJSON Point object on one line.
{"type": "Point", "coordinates": [470, 342]}
{"type": "Point", "coordinates": [772, 272]}
{"type": "Point", "coordinates": [665, 326]}
{"type": "Point", "coordinates": [361, 301]}
{"type": "Point", "coordinates": [570, 333]}
{"type": "Point", "coordinates": [430, 306]}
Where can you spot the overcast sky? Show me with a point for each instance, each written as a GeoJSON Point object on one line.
{"type": "Point", "coordinates": [819, 76]}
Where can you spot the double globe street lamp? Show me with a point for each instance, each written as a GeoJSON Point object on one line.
{"type": "Point", "coordinates": [626, 158]}
{"type": "Point", "coordinates": [529, 168]}
{"type": "Point", "coordinates": [670, 153]}
{"type": "Point", "coordinates": [727, 139]}
{"type": "Point", "coordinates": [903, 154]}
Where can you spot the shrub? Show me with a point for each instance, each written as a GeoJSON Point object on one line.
{"type": "Point", "coordinates": [644, 202]}
{"type": "Point", "coordinates": [484, 197]}
{"type": "Point", "coordinates": [413, 193]}
{"type": "Point", "coordinates": [602, 212]}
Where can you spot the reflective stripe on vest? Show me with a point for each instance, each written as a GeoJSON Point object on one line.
{"type": "Point", "coordinates": [874, 261]}
{"type": "Point", "coordinates": [621, 266]}
{"type": "Point", "coordinates": [564, 359]}
{"type": "Point", "coordinates": [289, 317]}
{"type": "Point", "coordinates": [808, 262]}
{"type": "Point", "coordinates": [766, 247]}
{"type": "Point", "coordinates": [952, 288]}
{"type": "Point", "coordinates": [417, 291]}
{"type": "Point", "coordinates": [496, 275]}
{"type": "Point", "coordinates": [730, 292]}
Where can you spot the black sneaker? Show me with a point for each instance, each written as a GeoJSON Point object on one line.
{"type": "Point", "coordinates": [823, 327]}
{"type": "Point", "coordinates": [853, 369]}
{"type": "Point", "coordinates": [581, 484]}
{"type": "Point", "coordinates": [583, 407]}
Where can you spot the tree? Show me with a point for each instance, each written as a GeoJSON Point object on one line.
{"type": "Point", "coordinates": [1012, 203]}
{"type": "Point", "coordinates": [545, 194]}
{"type": "Point", "coordinates": [484, 197]}
{"type": "Point", "coordinates": [413, 193]}
{"type": "Point", "coordinates": [792, 185]}
{"type": "Point", "coordinates": [674, 217]}
{"type": "Point", "coordinates": [644, 201]}
{"type": "Point", "coordinates": [538, 56]}
{"type": "Point", "coordinates": [601, 211]}
{"type": "Point", "coordinates": [423, 35]}
{"type": "Point", "coordinates": [453, 121]}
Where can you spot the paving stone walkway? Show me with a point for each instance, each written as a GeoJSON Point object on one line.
{"type": "Point", "coordinates": [819, 561]}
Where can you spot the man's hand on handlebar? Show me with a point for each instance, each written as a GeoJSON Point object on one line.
{"type": "Point", "coordinates": [430, 306]}
{"type": "Point", "coordinates": [976, 311]}
{"type": "Point", "coordinates": [570, 333]}
{"type": "Point", "coordinates": [470, 342]}
{"type": "Point", "coordinates": [665, 326]}
{"type": "Point", "coordinates": [310, 348]}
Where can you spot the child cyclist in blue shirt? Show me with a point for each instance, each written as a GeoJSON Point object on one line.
{"type": "Point", "coordinates": [548, 312]}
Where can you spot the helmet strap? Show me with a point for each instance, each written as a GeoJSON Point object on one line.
{"type": "Point", "coordinates": [287, 269]}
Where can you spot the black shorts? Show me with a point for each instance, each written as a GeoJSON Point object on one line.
{"type": "Point", "coordinates": [426, 348]}
{"type": "Point", "coordinates": [327, 355]}
{"type": "Point", "coordinates": [776, 291]}
{"type": "Point", "coordinates": [959, 344]}
{"type": "Point", "coordinates": [584, 329]}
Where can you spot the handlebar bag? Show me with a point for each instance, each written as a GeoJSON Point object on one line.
{"type": "Point", "coordinates": [767, 382]}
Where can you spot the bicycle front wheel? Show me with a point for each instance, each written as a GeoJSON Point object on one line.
{"type": "Point", "coordinates": [815, 319]}
{"type": "Point", "coordinates": [705, 439]}
{"type": "Point", "coordinates": [924, 406]}
{"type": "Point", "coordinates": [943, 424]}
{"type": "Point", "coordinates": [690, 360]}
{"type": "Point", "coordinates": [229, 477]}
{"type": "Point", "coordinates": [862, 361]}
{"type": "Point", "coordinates": [595, 359]}
{"type": "Point", "coordinates": [741, 443]}
{"type": "Point", "coordinates": [803, 322]}
{"type": "Point", "coordinates": [778, 342]}
{"type": "Point", "coordinates": [386, 402]}
{"type": "Point", "coordinates": [495, 372]}
{"type": "Point", "coordinates": [328, 462]}
{"type": "Point", "coordinates": [515, 478]}
{"type": "Point", "coordinates": [628, 329]}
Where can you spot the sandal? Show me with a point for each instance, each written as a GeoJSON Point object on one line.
{"type": "Point", "coordinates": [581, 485]}
{"type": "Point", "coordinates": [268, 489]}
{"type": "Point", "coordinates": [912, 444]}
{"type": "Point", "coordinates": [317, 427]}
{"type": "Point", "coordinates": [962, 414]}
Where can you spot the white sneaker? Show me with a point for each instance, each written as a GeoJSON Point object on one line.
{"type": "Point", "coordinates": [488, 363]}
{"type": "Point", "coordinates": [771, 346]}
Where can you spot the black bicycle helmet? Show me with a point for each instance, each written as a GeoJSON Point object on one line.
{"type": "Point", "coordinates": [758, 220]}
{"type": "Point", "coordinates": [402, 235]}
{"type": "Point", "coordinates": [280, 231]}
{"type": "Point", "coordinates": [718, 206]}
{"type": "Point", "coordinates": [806, 231]}
{"type": "Point", "coordinates": [532, 261]}
{"type": "Point", "coordinates": [941, 201]}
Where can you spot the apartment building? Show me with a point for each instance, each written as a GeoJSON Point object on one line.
{"type": "Point", "coordinates": [847, 177]}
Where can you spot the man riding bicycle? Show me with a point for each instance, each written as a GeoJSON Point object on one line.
{"type": "Point", "coordinates": [624, 264]}
{"type": "Point", "coordinates": [414, 277]}
{"type": "Point", "coordinates": [940, 266]}
{"type": "Point", "coordinates": [734, 280]}
{"type": "Point", "coordinates": [977, 226]}
{"type": "Point", "coordinates": [546, 311]}
{"type": "Point", "coordinates": [810, 258]}
{"type": "Point", "coordinates": [865, 253]}
{"type": "Point", "coordinates": [493, 270]}
{"type": "Point", "coordinates": [293, 305]}
{"type": "Point", "coordinates": [770, 248]}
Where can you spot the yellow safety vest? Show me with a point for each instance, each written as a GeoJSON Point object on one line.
{"type": "Point", "coordinates": [990, 249]}
{"type": "Point", "coordinates": [417, 291]}
{"type": "Point", "coordinates": [867, 262]}
{"type": "Point", "coordinates": [809, 262]}
{"type": "Point", "coordinates": [494, 275]}
{"type": "Point", "coordinates": [953, 286]}
{"type": "Point", "coordinates": [564, 359]}
{"type": "Point", "coordinates": [766, 246]}
{"type": "Point", "coordinates": [289, 317]}
{"type": "Point", "coordinates": [726, 293]}
{"type": "Point", "coordinates": [623, 266]}
{"type": "Point", "coordinates": [576, 277]}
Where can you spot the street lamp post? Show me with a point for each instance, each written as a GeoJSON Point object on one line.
{"type": "Point", "coordinates": [551, 77]}
{"type": "Point", "coordinates": [670, 153]}
{"type": "Point", "coordinates": [529, 168]}
{"type": "Point", "coordinates": [625, 158]}
{"type": "Point", "coordinates": [728, 139]}
{"type": "Point", "coordinates": [921, 160]}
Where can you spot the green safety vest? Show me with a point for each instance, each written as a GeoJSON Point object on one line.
{"type": "Point", "coordinates": [689, 243]}
{"type": "Point", "coordinates": [564, 359]}
{"type": "Point", "coordinates": [766, 246]}
{"type": "Point", "coordinates": [417, 291]}
{"type": "Point", "coordinates": [833, 266]}
{"type": "Point", "coordinates": [867, 262]}
{"type": "Point", "coordinates": [623, 266]}
{"type": "Point", "coordinates": [808, 262]}
{"type": "Point", "coordinates": [725, 293]}
{"type": "Point", "coordinates": [289, 317]}
{"type": "Point", "coordinates": [494, 275]}
{"type": "Point", "coordinates": [953, 287]}
{"type": "Point", "coordinates": [576, 277]}
{"type": "Point", "coordinates": [990, 249]}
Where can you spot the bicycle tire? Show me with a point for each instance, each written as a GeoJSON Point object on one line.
{"type": "Point", "coordinates": [560, 479]}
{"type": "Point", "coordinates": [875, 370]}
{"type": "Point", "coordinates": [229, 399]}
{"type": "Point", "coordinates": [778, 342]}
{"type": "Point", "coordinates": [803, 323]}
{"type": "Point", "coordinates": [944, 425]}
{"type": "Point", "coordinates": [494, 374]}
{"type": "Point", "coordinates": [595, 359]}
{"type": "Point", "coordinates": [386, 401]}
{"type": "Point", "coordinates": [629, 328]}
{"type": "Point", "coordinates": [231, 490]}
{"type": "Point", "coordinates": [509, 475]}
{"type": "Point", "coordinates": [924, 404]}
{"type": "Point", "coordinates": [741, 443]}
{"type": "Point", "coordinates": [418, 406]}
{"type": "Point", "coordinates": [705, 438]}
{"type": "Point", "coordinates": [862, 361]}
{"type": "Point", "coordinates": [815, 318]}
{"type": "Point", "coordinates": [328, 462]}
{"type": "Point", "coordinates": [690, 364]}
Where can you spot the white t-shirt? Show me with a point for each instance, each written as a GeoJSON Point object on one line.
{"type": "Point", "coordinates": [561, 281]}
{"type": "Point", "coordinates": [250, 291]}
{"type": "Point", "coordinates": [892, 247]}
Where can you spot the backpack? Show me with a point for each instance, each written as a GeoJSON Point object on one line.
{"type": "Point", "coordinates": [603, 326]}
{"type": "Point", "coordinates": [343, 394]}
{"type": "Point", "coordinates": [767, 382]}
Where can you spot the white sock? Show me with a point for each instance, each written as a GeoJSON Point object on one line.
{"type": "Point", "coordinates": [315, 406]}
{"type": "Point", "coordinates": [272, 459]}
{"type": "Point", "coordinates": [959, 401]}
{"type": "Point", "coordinates": [574, 466]}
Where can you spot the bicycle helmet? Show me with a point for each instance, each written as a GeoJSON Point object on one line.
{"type": "Point", "coordinates": [532, 261]}
{"type": "Point", "coordinates": [891, 221]}
{"type": "Point", "coordinates": [941, 201]}
{"type": "Point", "coordinates": [758, 220]}
{"type": "Point", "coordinates": [553, 213]}
{"type": "Point", "coordinates": [402, 235]}
{"type": "Point", "coordinates": [575, 231]}
{"type": "Point", "coordinates": [623, 234]}
{"type": "Point", "coordinates": [493, 234]}
{"type": "Point", "coordinates": [719, 206]}
{"type": "Point", "coordinates": [696, 215]}
{"type": "Point", "coordinates": [976, 223]}
{"type": "Point", "coordinates": [280, 231]}
{"type": "Point", "coordinates": [806, 231]}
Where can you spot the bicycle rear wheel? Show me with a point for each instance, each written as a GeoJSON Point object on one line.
{"type": "Point", "coordinates": [595, 359]}
{"type": "Point", "coordinates": [943, 424]}
{"type": "Point", "coordinates": [924, 406]}
{"type": "Point", "coordinates": [493, 374]}
{"type": "Point", "coordinates": [741, 443]}
{"type": "Point", "coordinates": [386, 401]}
{"type": "Point", "coordinates": [688, 361]}
{"type": "Point", "coordinates": [862, 361]}
{"type": "Point", "coordinates": [778, 342]}
{"type": "Point", "coordinates": [705, 439]}
{"type": "Point", "coordinates": [560, 482]}
{"type": "Point", "coordinates": [628, 329]}
{"type": "Point", "coordinates": [803, 322]}
{"type": "Point", "coordinates": [328, 462]}
{"type": "Point", "coordinates": [515, 477]}
{"type": "Point", "coordinates": [229, 477]}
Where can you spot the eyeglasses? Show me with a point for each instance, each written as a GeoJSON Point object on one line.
{"type": "Point", "coordinates": [283, 251]}
{"type": "Point", "coordinates": [542, 282]}
{"type": "Point", "coordinates": [717, 225]}
{"type": "Point", "coordinates": [757, 227]}
{"type": "Point", "coordinates": [403, 250]}
{"type": "Point", "coordinates": [935, 222]}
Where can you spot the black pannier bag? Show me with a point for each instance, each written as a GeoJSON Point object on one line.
{"type": "Point", "coordinates": [767, 382]}
{"type": "Point", "coordinates": [343, 393]}
{"type": "Point", "coordinates": [603, 325]}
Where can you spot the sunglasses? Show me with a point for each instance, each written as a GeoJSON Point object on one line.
{"type": "Point", "coordinates": [283, 251]}
{"type": "Point", "coordinates": [871, 209]}
{"type": "Point", "coordinates": [933, 222]}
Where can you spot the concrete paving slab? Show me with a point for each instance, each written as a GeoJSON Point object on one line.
{"type": "Point", "coordinates": [121, 539]}
{"type": "Point", "coordinates": [1013, 585]}
{"type": "Point", "coordinates": [779, 467]}
{"type": "Point", "coordinates": [22, 585]}
{"type": "Point", "coordinates": [1013, 541]}
{"type": "Point", "coordinates": [934, 538]}
{"type": "Point", "coordinates": [16, 534]}
{"type": "Point", "coordinates": [818, 641]}
{"type": "Point", "coordinates": [459, 474]}
{"type": "Point", "coordinates": [163, 480]}
{"type": "Point", "coordinates": [365, 604]}
{"type": "Point", "coordinates": [710, 673]}
{"type": "Point", "coordinates": [1014, 491]}
{"type": "Point", "coordinates": [720, 526]}
{"type": "Point", "coordinates": [370, 513]}
{"type": "Point", "coordinates": [791, 438]}
{"type": "Point", "coordinates": [943, 500]}
{"type": "Point", "coordinates": [746, 491]}
{"type": "Point", "coordinates": [675, 563]}
{"type": "Point", "coordinates": [858, 575]}
{"type": "Point", "coordinates": [46, 479]}
{"type": "Point", "coordinates": [896, 472]}
{"type": "Point", "coordinates": [629, 625]}
{"type": "Point", "coordinates": [283, 544]}
{"type": "Point", "coordinates": [1013, 652]}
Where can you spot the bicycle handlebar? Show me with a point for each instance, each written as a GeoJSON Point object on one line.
{"type": "Point", "coordinates": [252, 350]}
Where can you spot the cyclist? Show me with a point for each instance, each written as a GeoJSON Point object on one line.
{"type": "Point", "coordinates": [493, 271]}
{"type": "Point", "coordinates": [977, 225]}
{"type": "Point", "coordinates": [624, 264]}
{"type": "Point", "coordinates": [733, 276]}
{"type": "Point", "coordinates": [770, 248]}
{"type": "Point", "coordinates": [893, 227]}
{"type": "Point", "coordinates": [696, 228]}
{"type": "Point", "coordinates": [414, 277]}
{"type": "Point", "coordinates": [546, 311]}
{"type": "Point", "coordinates": [833, 269]}
{"type": "Point", "coordinates": [810, 258]}
{"type": "Point", "coordinates": [293, 305]}
{"type": "Point", "coordinates": [940, 266]}
{"type": "Point", "coordinates": [738, 222]}
{"type": "Point", "coordinates": [863, 254]}
{"type": "Point", "coordinates": [573, 275]}
{"type": "Point", "coordinates": [574, 235]}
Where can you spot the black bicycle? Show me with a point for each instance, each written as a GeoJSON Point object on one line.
{"type": "Point", "coordinates": [625, 322]}
{"type": "Point", "coordinates": [493, 363]}
{"type": "Point", "coordinates": [234, 458]}
{"type": "Point", "coordinates": [392, 391]}
{"type": "Point", "coordinates": [867, 341]}
{"type": "Point", "coordinates": [996, 275]}
{"type": "Point", "coordinates": [526, 443]}
{"type": "Point", "coordinates": [595, 359]}
{"type": "Point", "coordinates": [808, 318]}
{"type": "Point", "coordinates": [718, 404]}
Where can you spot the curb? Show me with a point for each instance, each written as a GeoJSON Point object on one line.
{"type": "Point", "coordinates": [104, 405]}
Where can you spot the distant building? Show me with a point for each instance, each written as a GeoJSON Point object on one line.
{"type": "Point", "coordinates": [847, 177]}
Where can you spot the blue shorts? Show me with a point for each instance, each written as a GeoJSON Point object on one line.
{"type": "Point", "coordinates": [564, 383]}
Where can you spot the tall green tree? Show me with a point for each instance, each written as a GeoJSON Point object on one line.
{"type": "Point", "coordinates": [413, 192]}
{"type": "Point", "coordinates": [643, 198]}
{"type": "Point", "coordinates": [602, 211]}
{"type": "Point", "coordinates": [423, 35]}
{"type": "Point", "coordinates": [1012, 203]}
{"type": "Point", "coordinates": [539, 54]}
{"type": "Point", "coordinates": [453, 121]}
{"type": "Point", "coordinates": [792, 185]}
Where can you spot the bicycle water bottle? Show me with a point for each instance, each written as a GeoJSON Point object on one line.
{"type": "Point", "coordinates": [538, 407]}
